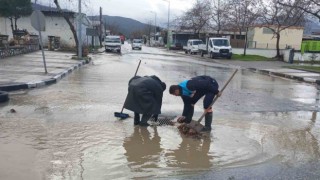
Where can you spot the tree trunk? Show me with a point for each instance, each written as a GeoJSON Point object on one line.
{"type": "Point", "coordinates": [73, 30]}
{"type": "Point", "coordinates": [15, 23]}
{"type": "Point", "coordinates": [278, 48]}
{"type": "Point", "coordinates": [11, 25]}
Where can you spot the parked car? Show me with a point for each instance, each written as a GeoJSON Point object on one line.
{"type": "Point", "coordinates": [176, 46]}
{"type": "Point", "coordinates": [137, 44]}
{"type": "Point", "coordinates": [216, 47]}
{"type": "Point", "coordinates": [192, 46]}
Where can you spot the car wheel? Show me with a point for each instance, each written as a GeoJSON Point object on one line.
{"type": "Point", "coordinates": [211, 55]}
{"type": "Point", "coordinates": [4, 96]}
{"type": "Point", "coordinates": [186, 52]}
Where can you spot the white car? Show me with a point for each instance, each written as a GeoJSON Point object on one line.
{"type": "Point", "coordinates": [192, 46]}
{"type": "Point", "coordinates": [137, 44]}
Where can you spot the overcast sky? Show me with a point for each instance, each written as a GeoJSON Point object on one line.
{"type": "Point", "coordinates": [136, 9]}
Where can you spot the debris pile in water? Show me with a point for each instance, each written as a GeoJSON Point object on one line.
{"type": "Point", "coordinates": [186, 130]}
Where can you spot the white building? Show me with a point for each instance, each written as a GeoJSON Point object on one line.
{"type": "Point", "coordinates": [56, 25]}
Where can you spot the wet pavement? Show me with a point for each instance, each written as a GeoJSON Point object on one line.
{"type": "Point", "coordinates": [264, 127]}
{"type": "Point", "coordinates": [28, 70]}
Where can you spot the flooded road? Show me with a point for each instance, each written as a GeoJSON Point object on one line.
{"type": "Point", "coordinates": [263, 127]}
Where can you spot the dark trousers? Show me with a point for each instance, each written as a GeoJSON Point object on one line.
{"type": "Point", "coordinates": [144, 119]}
{"type": "Point", "coordinates": [189, 103]}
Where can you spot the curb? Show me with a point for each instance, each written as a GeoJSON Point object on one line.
{"type": "Point", "coordinates": [42, 83]}
{"type": "Point", "coordinates": [13, 87]}
{"type": "Point", "coordinates": [266, 72]}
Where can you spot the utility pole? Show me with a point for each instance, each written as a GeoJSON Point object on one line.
{"type": "Point", "coordinates": [38, 27]}
{"type": "Point", "coordinates": [155, 25]}
{"type": "Point", "coordinates": [168, 44]}
{"type": "Point", "coordinates": [100, 28]}
{"type": "Point", "coordinates": [79, 31]}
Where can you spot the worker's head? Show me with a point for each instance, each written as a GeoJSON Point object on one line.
{"type": "Point", "coordinates": [175, 90]}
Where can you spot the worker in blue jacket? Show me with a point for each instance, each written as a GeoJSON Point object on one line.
{"type": "Point", "coordinates": [191, 91]}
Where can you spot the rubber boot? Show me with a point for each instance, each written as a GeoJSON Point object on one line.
{"type": "Point", "coordinates": [136, 119]}
{"type": "Point", "coordinates": [155, 117]}
{"type": "Point", "coordinates": [208, 122]}
{"type": "Point", "coordinates": [189, 115]}
{"type": "Point", "coordinates": [144, 120]}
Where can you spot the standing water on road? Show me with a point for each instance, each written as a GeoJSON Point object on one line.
{"type": "Point", "coordinates": [262, 127]}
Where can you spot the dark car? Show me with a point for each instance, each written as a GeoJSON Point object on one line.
{"type": "Point", "coordinates": [176, 46]}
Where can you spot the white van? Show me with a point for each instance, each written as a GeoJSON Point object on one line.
{"type": "Point", "coordinates": [113, 43]}
{"type": "Point", "coordinates": [216, 47]}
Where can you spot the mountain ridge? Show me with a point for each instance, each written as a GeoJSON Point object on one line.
{"type": "Point", "coordinates": [122, 24]}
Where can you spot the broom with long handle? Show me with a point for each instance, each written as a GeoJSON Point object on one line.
{"type": "Point", "coordinates": [120, 114]}
{"type": "Point", "coordinates": [196, 124]}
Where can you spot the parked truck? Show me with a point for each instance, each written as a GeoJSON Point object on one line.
{"type": "Point", "coordinates": [192, 46]}
{"type": "Point", "coordinates": [216, 47]}
{"type": "Point", "coordinates": [113, 43]}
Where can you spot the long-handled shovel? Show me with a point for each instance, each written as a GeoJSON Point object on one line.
{"type": "Point", "coordinates": [122, 115]}
{"type": "Point", "coordinates": [196, 124]}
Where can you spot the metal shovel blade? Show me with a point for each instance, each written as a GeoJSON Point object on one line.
{"type": "Point", "coordinates": [195, 125]}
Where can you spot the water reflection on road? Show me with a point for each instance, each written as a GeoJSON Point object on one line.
{"type": "Point", "coordinates": [68, 131]}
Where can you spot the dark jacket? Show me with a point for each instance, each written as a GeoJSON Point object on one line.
{"type": "Point", "coordinates": [145, 95]}
{"type": "Point", "coordinates": [202, 85]}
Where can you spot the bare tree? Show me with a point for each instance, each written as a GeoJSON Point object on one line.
{"type": "Point", "coordinates": [277, 18]}
{"type": "Point", "coordinates": [15, 9]}
{"type": "Point", "coordinates": [242, 13]}
{"type": "Point", "coordinates": [67, 17]}
{"type": "Point", "coordinates": [195, 18]}
{"type": "Point", "coordinates": [309, 6]}
{"type": "Point", "coordinates": [219, 14]}
{"type": "Point", "coordinates": [148, 29]}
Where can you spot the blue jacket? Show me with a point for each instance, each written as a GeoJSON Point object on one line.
{"type": "Point", "coordinates": [205, 85]}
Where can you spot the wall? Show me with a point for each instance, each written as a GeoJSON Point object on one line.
{"type": "Point", "coordinates": [306, 56]}
{"type": "Point", "coordinates": [270, 53]}
{"type": "Point", "coordinates": [288, 37]}
{"type": "Point", "coordinates": [55, 26]}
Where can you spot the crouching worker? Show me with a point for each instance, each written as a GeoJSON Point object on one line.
{"type": "Point", "coordinates": [191, 91]}
{"type": "Point", "coordinates": [145, 97]}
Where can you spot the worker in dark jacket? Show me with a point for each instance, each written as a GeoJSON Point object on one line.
{"type": "Point", "coordinates": [191, 91]}
{"type": "Point", "coordinates": [145, 97]}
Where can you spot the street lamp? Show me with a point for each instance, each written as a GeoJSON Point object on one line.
{"type": "Point", "coordinates": [155, 24]}
{"type": "Point", "coordinates": [168, 22]}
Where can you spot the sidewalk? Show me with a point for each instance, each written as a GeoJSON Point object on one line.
{"type": "Point", "coordinates": [27, 71]}
{"type": "Point", "coordinates": [274, 68]}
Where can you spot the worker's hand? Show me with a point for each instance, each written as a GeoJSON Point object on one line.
{"type": "Point", "coordinates": [208, 110]}
{"type": "Point", "coordinates": [219, 94]}
{"type": "Point", "coordinates": [181, 119]}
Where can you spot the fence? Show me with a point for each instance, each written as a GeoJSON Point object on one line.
{"type": "Point", "coordinates": [255, 44]}
{"type": "Point", "coordinates": [17, 50]}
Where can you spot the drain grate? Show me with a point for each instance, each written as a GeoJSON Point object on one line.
{"type": "Point", "coordinates": [163, 121]}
